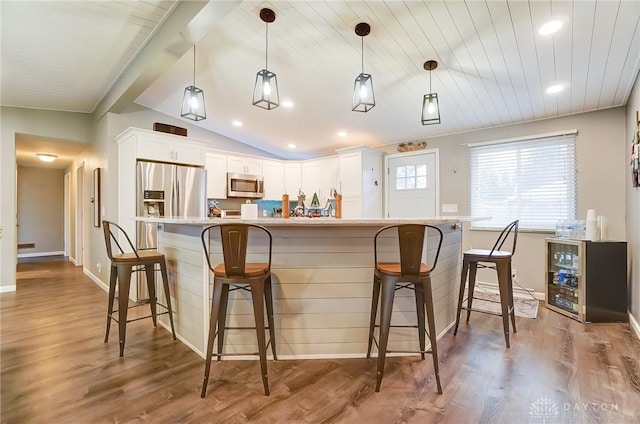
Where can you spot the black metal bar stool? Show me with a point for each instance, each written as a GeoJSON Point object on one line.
{"type": "Point", "coordinates": [407, 271]}
{"type": "Point", "coordinates": [237, 274]}
{"type": "Point", "coordinates": [123, 264]}
{"type": "Point", "coordinates": [501, 262]}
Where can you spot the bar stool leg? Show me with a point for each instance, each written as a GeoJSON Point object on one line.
{"type": "Point", "coordinates": [418, 291]}
{"type": "Point", "coordinates": [151, 288]}
{"type": "Point", "coordinates": [167, 294]}
{"type": "Point", "coordinates": [428, 301]}
{"type": "Point", "coordinates": [463, 283]}
{"type": "Point", "coordinates": [257, 296]}
{"type": "Point", "coordinates": [512, 307]}
{"type": "Point", "coordinates": [124, 281]}
{"type": "Point", "coordinates": [473, 269]}
{"type": "Point", "coordinates": [268, 299]}
{"type": "Point", "coordinates": [388, 293]}
{"type": "Point", "coordinates": [503, 281]}
{"type": "Point", "coordinates": [222, 319]}
{"type": "Point", "coordinates": [374, 311]}
{"type": "Point", "coordinates": [213, 321]}
{"type": "Point", "coordinates": [113, 276]}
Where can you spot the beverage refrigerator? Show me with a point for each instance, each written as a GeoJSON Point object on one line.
{"type": "Point", "coordinates": [165, 190]}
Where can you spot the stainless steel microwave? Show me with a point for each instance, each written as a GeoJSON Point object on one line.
{"type": "Point", "coordinates": [245, 186]}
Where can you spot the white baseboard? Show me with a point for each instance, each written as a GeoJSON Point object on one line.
{"type": "Point", "coordinates": [73, 260]}
{"type": "Point", "coordinates": [635, 325]}
{"type": "Point", "coordinates": [7, 289]}
{"type": "Point", "coordinates": [36, 254]}
{"type": "Point", "coordinates": [96, 280]}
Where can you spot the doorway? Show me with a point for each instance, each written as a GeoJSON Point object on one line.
{"type": "Point", "coordinates": [413, 184]}
{"type": "Point", "coordinates": [79, 215]}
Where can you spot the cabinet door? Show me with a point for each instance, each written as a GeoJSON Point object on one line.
{"type": "Point", "coordinates": [292, 179]}
{"type": "Point", "coordinates": [189, 153]}
{"type": "Point", "coordinates": [330, 178]}
{"type": "Point", "coordinates": [273, 172]}
{"type": "Point", "coordinates": [352, 207]}
{"type": "Point", "coordinates": [565, 275]}
{"type": "Point", "coordinates": [351, 174]}
{"type": "Point", "coordinates": [154, 149]}
{"type": "Point", "coordinates": [311, 180]}
{"type": "Point", "coordinates": [216, 166]}
{"type": "Point", "coordinates": [244, 165]}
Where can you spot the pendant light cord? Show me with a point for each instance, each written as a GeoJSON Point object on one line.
{"type": "Point", "coordinates": [430, 82]}
{"type": "Point", "coordinates": [266, 48]}
{"type": "Point", "coordinates": [194, 65]}
{"type": "Point", "coordinates": [362, 52]}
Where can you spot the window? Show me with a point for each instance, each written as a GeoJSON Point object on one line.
{"type": "Point", "coordinates": [411, 177]}
{"type": "Point", "coordinates": [532, 180]}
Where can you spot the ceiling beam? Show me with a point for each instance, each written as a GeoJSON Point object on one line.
{"type": "Point", "coordinates": [188, 23]}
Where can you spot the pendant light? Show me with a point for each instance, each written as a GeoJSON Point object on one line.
{"type": "Point", "coordinates": [430, 108]}
{"type": "Point", "coordinates": [265, 92]}
{"type": "Point", "coordinates": [363, 96]}
{"type": "Point", "coordinates": [193, 100]}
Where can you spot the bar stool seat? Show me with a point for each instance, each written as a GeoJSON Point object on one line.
{"type": "Point", "coordinates": [235, 273]}
{"type": "Point", "coordinates": [407, 272]}
{"type": "Point", "coordinates": [499, 260]}
{"type": "Point", "coordinates": [123, 264]}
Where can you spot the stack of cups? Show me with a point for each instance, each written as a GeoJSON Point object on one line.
{"type": "Point", "coordinates": [592, 225]}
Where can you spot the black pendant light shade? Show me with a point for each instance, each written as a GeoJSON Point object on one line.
{"type": "Point", "coordinates": [430, 107]}
{"type": "Point", "coordinates": [363, 96]}
{"type": "Point", "coordinates": [265, 91]}
{"type": "Point", "coordinates": [193, 100]}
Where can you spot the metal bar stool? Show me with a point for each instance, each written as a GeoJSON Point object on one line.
{"type": "Point", "coordinates": [407, 272]}
{"type": "Point", "coordinates": [237, 274]}
{"type": "Point", "coordinates": [123, 264]}
{"type": "Point", "coordinates": [501, 262]}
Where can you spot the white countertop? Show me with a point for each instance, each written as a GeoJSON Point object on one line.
{"type": "Point", "coordinates": [268, 222]}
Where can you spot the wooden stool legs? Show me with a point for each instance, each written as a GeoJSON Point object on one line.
{"type": "Point", "coordinates": [505, 286]}
{"type": "Point", "coordinates": [121, 273]}
{"type": "Point", "coordinates": [424, 299]}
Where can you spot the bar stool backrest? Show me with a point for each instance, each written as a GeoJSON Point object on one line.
{"type": "Point", "coordinates": [111, 230]}
{"type": "Point", "coordinates": [504, 236]}
{"type": "Point", "coordinates": [234, 239]}
{"type": "Point", "coordinates": [411, 243]}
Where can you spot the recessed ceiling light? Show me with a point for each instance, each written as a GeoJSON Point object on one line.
{"type": "Point", "coordinates": [237, 123]}
{"type": "Point", "coordinates": [291, 146]}
{"type": "Point", "coordinates": [555, 89]}
{"type": "Point", "coordinates": [342, 134]}
{"type": "Point", "coordinates": [287, 103]}
{"type": "Point", "coordinates": [550, 27]}
{"type": "Point", "coordinates": [46, 157]}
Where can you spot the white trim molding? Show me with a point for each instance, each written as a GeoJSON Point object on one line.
{"type": "Point", "coordinates": [523, 138]}
{"type": "Point", "coordinates": [96, 280]}
{"type": "Point", "coordinates": [37, 254]}
{"type": "Point", "coordinates": [7, 289]}
{"type": "Point", "coordinates": [635, 325]}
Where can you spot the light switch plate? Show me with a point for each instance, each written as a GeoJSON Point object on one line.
{"type": "Point", "coordinates": [450, 207]}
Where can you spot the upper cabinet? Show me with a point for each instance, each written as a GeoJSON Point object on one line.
{"type": "Point", "coordinates": [244, 165]}
{"type": "Point", "coordinates": [216, 165]}
{"type": "Point", "coordinates": [361, 182]}
{"type": "Point", "coordinates": [330, 177]}
{"type": "Point", "coordinates": [311, 180]}
{"type": "Point", "coordinates": [292, 179]}
{"type": "Point", "coordinates": [273, 173]}
{"type": "Point", "coordinates": [162, 147]}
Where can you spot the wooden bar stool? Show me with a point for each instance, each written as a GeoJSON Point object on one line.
{"type": "Point", "coordinates": [500, 260]}
{"type": "Point", "coordinates": [407, 271]}
{"type": "Point", "coordinates": [237, 274]}
{"type": "Point", "coordinates": [122, 266]}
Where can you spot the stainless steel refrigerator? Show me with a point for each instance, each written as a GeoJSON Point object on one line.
{"type": "Point", "coordinates": [166, 190]}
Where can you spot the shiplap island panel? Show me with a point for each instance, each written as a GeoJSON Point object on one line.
{"type": "Point", "coordinates": [322, 281]}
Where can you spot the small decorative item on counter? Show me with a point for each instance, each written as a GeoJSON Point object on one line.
{"type": "Point", "coordinates": [285, 205]}
{"type": "Point", "coordinates": [299, 209]}
{"type": "Point", "coordinates": [338, 197]}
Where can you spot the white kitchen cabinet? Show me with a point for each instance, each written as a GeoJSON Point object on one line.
{"type": "Point", "coordinates": [292, 179]}
{"type": "Point", "coordinates": [330, 177]}
{"type": "Point", "coordinates": [273, 173]}
{"type": "Point", "coordinates": [244, 165]}
{"type": "Point", "coordinates": [216, 166]}
{"type": "Point", "coordinates": [311, 172]}
{"type": "Point", "coordinates": [361, 182]}
{"type": "Point", "coordinates": [168, 148]}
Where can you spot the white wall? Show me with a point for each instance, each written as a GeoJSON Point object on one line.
{"type": "Point", "coordinates": [602, 173]}
{"type": "Point", "coordinates": [633, 209]}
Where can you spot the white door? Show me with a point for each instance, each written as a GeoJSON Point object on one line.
{"type": "Point", "coordinates": [412, 185]}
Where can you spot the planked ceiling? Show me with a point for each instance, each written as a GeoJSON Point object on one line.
{"type": "Point", "coordinates": [493, 69]}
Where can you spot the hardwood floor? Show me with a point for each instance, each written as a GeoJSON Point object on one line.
{"type": "Point", "coordinates": [56, 369]}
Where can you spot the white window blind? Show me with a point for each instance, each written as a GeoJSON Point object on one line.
{"type": "Point", "coordinates": [531, 180]}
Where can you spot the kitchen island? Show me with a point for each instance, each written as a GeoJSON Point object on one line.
{"type": "Point", "coordinates": [322, 271]}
